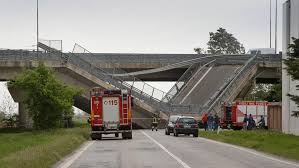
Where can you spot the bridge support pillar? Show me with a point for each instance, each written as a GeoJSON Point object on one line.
{"type": "Point", "coordinates": [25, 121]}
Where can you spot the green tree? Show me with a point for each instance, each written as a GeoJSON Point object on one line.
{"type": "Point", "coordinates": [11, 120]}
{"type": "Point", "coordinates": [47, 100]}
{"type": "Point", "coordinates": [222, 42]}
{"type": "Point", "coordinates": [275, 93]}
{"type": "Point", "coordinates": [292, 67]}
{"type": "Point", "coordinates": [265, 92]}
{"type": "Point", "coordinates": [199, 50]}
{"type": "Point", "coordinates": [259, 93]}
{"type": "Point", "coordinates": [2, 117]}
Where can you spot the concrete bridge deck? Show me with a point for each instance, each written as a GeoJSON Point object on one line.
{"type": "Point", "coordinates": [137, 62]}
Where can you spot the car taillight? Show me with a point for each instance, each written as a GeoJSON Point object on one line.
{"type": "Point", "coordinates": [195, 126]}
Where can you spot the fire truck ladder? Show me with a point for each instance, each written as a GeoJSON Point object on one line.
{"type": "Point", "coordinates": [125, 110]}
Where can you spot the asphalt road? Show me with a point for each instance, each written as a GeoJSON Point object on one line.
{"type": "Point", "coordinates": [155, 149]}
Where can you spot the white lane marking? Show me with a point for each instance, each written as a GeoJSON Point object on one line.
{"type": "Point", "coordinates": [251, 152]}
{"type": "Point", "coordinates": [196, 84]}
{"type": "Point", "coordinates": [75, 156]}
{"type": "Point", "coordinates": [169, 153]}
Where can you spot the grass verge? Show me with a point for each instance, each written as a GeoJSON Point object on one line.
{"type": "Point", "coordinates": [39, 149]}
{"type": "Point", "coordinates": [271, 142]}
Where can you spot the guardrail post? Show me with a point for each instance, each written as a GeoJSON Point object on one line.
{"type": "Point", "coordinates": [152, 93]}
{"type": "Point", "coordinates": [142, 88]}
{"type": "Point", "coordinates": [133, 83]}
{"type": "Point", "coordinates": [177, 88]}
{"type": "Point", "coordinates": [162, 96]}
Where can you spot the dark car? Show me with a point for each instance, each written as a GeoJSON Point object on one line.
{"type": "Point", "coordinates": [186, 125]}
{"type": "Point", "coordinates": [169, 127]}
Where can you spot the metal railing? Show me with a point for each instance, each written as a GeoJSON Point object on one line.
{"type": "Point", "coordinates": [27, 55]}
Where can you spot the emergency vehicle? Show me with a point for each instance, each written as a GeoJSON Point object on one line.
{"type": "Point", "coordinates": [111, 113]}
{"type": "Point", "coordinates": [234, 113]}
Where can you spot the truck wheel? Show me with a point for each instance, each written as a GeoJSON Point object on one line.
{"type": "Point", "coordinates": [116, 135]}
{"type": "Point", "coordinates": [195, 135]}
{"type": "Point", "coordinates": [129, 135]}
{"type": "Point", "coordinates": [99, 137]}
{"type": "Point", "coordinates": [93, 137]}
{"type": "Point", "coordinates": [124, 135]}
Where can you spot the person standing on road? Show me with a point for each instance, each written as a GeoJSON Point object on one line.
{"type": "Point", "coordinates": [155, 123]}
{"type": "Point", "coordinates": [205, 121]}
{"type": "Point", "coordinates": [217, 122]}
{"type": "Point", "coordinates": [210, 122]}
{"type": "Point", "coordinates": [245, 122]}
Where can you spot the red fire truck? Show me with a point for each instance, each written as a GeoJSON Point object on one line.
{"type": "Point", "coordinates": [233, 113]}
{"type": "Point", "coordinates": [111, 113]}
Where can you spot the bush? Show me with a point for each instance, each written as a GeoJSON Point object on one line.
{"type": "Point", "coordinates": [10, 120]}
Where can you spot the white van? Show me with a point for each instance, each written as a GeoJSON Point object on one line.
{"type": "Point", "coordinates": [255, 51]}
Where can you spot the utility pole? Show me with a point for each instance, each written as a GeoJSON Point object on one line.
{"type": "Point", "coordinates": [37, 27]}
{"type": "Point", "coordinates": [270, 24]}
{"type": "Point", "coordinates": [276, 28]}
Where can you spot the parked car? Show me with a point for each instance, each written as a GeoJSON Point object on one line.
{"type": "Point", "coordinates": [170, 125]}
{"type": "Point", "coordinates": [186, 125]}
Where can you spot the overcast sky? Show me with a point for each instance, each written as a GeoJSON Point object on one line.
{"type": "Point", "coordinates": [137, 26]}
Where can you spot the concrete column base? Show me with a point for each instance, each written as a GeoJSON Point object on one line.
{"type": "Point", "coordinates": [25, 121]}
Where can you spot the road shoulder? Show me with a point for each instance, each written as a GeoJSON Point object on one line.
{"type": "Point", "coordinates": [67, 161]}
{"type": "Point", "coordinates": [254, 152]}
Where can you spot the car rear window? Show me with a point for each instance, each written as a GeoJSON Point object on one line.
{"type": "Point", "coordinates": [187, 120]}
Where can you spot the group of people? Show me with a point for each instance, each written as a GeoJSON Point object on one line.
{"type": "Point", "coordinates": [210, 122]}
{"type": "Point", "coordinates": [249, 122]}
